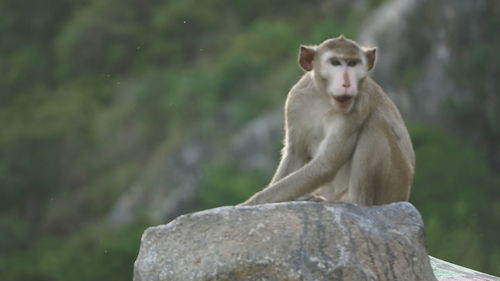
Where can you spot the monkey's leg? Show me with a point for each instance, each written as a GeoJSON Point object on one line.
{"type": "Point", "coordinates": [367, 168]}
{"type": "Point", "coordinates": [335, 151]}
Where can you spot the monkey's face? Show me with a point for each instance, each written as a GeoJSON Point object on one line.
{"type": "Point", "coordinates": [339, 66]}
{"type": "Point", "coordinates": [340, 75]}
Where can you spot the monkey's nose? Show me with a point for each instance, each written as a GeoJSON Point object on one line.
{"type": "Point", "coordinates": [346, 83]}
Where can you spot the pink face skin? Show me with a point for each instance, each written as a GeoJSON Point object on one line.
{"type": "Point", "coordinates": [342, 75]}
{"type": "Point", "coordinates": [338, 65]}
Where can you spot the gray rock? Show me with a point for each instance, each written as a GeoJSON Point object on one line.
{"type": "Point", "coordinates": [447, 271]}
{"type": "Point", "coordinates": [288, 241]}
{"type": "Point", "coordinates": [424, 49]}
{"type": "Point", "coordinates": [172, 179]}
{"type": "Point", "coordinates": [418, 40]}
{"type": "Point", "coordinates": [255, 145]}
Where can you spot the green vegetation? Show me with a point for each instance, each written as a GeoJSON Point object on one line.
{"type": "Point", "coordinates": [477, 109]}
{"type": "Point", "coordinates": [95, 253]}
{"type": "Point", "coordinates": [225, 186]}
{"type": "Point", "coordinates": [453, 190]}
{"type": "Point", "coordinates": [90, 89]}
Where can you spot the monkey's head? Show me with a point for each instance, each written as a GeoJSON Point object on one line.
{"type": "Point", "coordinates": [339, 67]}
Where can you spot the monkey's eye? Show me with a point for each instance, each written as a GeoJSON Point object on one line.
{"type": "Point", "coordinates": [335, 62]}
{"type": "Point", "coordinates": [352, 63]}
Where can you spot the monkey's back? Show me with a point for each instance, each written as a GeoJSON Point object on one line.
{"type": "Point", "coordinates": [396, 168]}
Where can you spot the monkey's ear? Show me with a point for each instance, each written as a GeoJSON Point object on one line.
{"type": "Point", "coordinates": [306, 56]}
{"type": "Point", "coordinates": [371, 55]}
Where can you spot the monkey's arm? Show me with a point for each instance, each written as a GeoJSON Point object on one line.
{"type": "Point", "coordinates": [334, 152]}
{"type": "Point", "coordinates": [289, 163]}
{"type": "Point", "coordinates": [291, 159]}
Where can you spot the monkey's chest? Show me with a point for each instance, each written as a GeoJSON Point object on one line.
{"type": "Point", "coordinates": [313, 131]}
{"type": "Point", "coordinates": [313, 141]}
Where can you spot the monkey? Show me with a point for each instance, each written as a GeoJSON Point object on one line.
{"type": "Point", "coordinates": [344, 139]}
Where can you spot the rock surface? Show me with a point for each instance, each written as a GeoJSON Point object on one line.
{"type": "Point", "coordinates": [173, 179]}
{"type": "Point", "coordinates": [288, 241]}
{"type": "Point", "coordinates": [446, 271]}
{"type": "Point", "coordinates": [418, 41]}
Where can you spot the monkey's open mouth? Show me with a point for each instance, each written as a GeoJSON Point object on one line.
{"type": "Point", "coordinates": [343, 98]}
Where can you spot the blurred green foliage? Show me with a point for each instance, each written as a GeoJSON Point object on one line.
{"type": "Point", "coordinates": [89, 89]}
{"type": "Point", "coordinates": [95, 253]}
{"type": "Point", "coordinates": [225, 185]}
{"type": "Point", "coordinates": [453, 190]}
{"type": "Point", "coordinates": [477, 110]}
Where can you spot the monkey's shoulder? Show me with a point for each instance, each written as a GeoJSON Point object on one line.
{"type": "Point", "coordinates": [304, 98]}
{"type": "Point", "coordinates": [371, 87]}
{"type": "Point", "coordinates": [304, 86]}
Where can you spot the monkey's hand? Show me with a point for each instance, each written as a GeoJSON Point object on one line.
{"type": "Point", "coordinates": [256, 199]}
{"type": "Point", "coordinates": [249, 202]}
{"type": "Point", "coordinates": [311, 198]}
{"type": "Point", "coordinates": [245, 204]}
